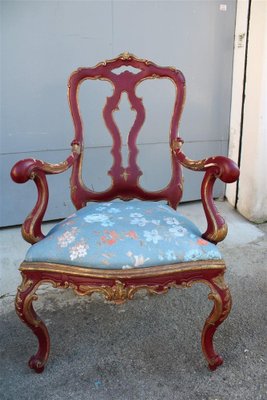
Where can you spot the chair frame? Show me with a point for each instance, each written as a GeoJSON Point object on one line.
{"type": "Point", "coordinates": [121, 285]}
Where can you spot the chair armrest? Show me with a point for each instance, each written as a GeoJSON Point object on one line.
{"type": "Point", "coordinates": [214, 167]}
{"type": "Point", "coordinates": [37, 170]}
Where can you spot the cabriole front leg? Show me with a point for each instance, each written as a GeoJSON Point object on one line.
{"type": "Point", "coordinates": [221, 296]}
{"type": "Point", "coordinates": [24, 308]}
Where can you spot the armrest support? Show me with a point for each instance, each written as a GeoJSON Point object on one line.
{"type": "Point", "coordinates": [37, 170]}
{"type": "Point", "coordinates": [214, 167]}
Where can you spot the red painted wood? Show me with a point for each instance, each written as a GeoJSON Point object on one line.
{"type": "Point", "coordinates": [125, 82]}
{"type": "Point", "coordinates": [220, 294]}
{"type": "Point", "coordinates": [125, 181]}
{"type": "Point", "coordinates": [125, 185]}
{"type": "Point", "coordinates": [37, 170]}
{"type": "Point", "coordinates": [218, 167]}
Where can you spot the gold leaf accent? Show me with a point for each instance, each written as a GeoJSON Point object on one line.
{"type": "Point", "coordinates": [119, 292]}
{"type": "Point", "coordinates": [125, 56]}
{"type": "Point", "coordinates": [22, 308]}
{"type": "Point", "coordinates": [125, 175]}
{"type": "Point", "coordinates": [117, 274]}
{"type": "Point", "coordinates": [177, 144]}
{"type": "Point", "coordinates": [25, 284]}
{"type": "Point", "coordinates": [194, 165]}
{"type": "Point", "coordinates": [219, 281]}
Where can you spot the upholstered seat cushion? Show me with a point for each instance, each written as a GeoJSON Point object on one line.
{"type": "Point", "coordinates": [121, 235]}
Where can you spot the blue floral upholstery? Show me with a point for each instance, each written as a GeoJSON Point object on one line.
{"type": "Point", "coordinates": [121, 235]}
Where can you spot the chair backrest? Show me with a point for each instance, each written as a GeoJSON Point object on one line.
{"type": "Point", "coordinates": [125, 180]}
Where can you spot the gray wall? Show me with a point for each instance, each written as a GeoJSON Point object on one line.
{"type": "Point", "coordinates": [44, 41]}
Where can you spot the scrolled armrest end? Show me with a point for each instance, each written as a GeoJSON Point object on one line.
{"type": "Point", "coordinates": [228, 171]}
{"type": "Point", "coordinates": [22, 170]}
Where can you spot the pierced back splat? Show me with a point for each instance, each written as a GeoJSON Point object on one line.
{"type": "Point", "coordinates": [125, 180]}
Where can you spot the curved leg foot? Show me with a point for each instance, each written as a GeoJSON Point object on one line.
{"type": "Point", "coordinates": [222, 305]}
{"type": "Point", "coordinates": [25, 296]}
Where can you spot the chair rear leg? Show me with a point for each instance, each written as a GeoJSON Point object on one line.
{"type": "Point", "coordinates": [221, 296]}
{"type": "Point", "coordinates": [24, 308]}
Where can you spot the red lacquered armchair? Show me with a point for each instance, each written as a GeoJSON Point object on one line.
{"type": "Point", "coordinates": [125, 238]}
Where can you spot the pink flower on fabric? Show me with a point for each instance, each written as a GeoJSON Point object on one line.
{"type": "Point", "coordinates": [202, 242]}
{"type": "Point", "coordinates": [110, 238]}
{"type": "Point", "coordinates": [132, 235]}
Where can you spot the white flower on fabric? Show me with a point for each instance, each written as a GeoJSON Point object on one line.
{"type": "Point", "coordinates": [91, 218]}
{"type": "Point", "coordinates": [136, 215]}
{"type": "Point", "coordinates": [152, 236]}
{"type": "Point", "coordinates": [100, 208]}
{"type": "Point", "coordinates": [136, 259]}
{"type": "Point", "coordinates": [103, 206]}
{"type": "Point", "coordinates": [163, 207]}
{"type": "Point", "coordinates": [171, 221]}
{"type": "Point", "coordinates": [155, 221]}
{"type": "Point", "coordinates": [114, 210]}
{"type": "Point", "coordinates": [178, 231]}
{"type": "Point", "coordinates": [107, 223]}
{"type": "Point", "coordinates": [170, 255]}
{"type": "Point", "coordinates": [67, 237]}
{"type": "Point", "coordinates": [212, 255]}
{"type": "Point", "coordinates": [139, 260]}
{"type": "Point", "coordinates": [193, 255]}
{"type": "Point", "coordinates": [79, 250]}
{"type": "Point", "coordinates": [139, 221]}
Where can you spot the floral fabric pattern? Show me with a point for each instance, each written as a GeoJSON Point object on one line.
{"type": "Point", "coordinates": [123, 235]}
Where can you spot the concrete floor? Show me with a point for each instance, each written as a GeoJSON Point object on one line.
{"type": "Point", "coordinates": [148, 348]}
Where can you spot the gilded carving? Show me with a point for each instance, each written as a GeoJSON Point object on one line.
{"type": "Point", "coordinates": [125, 175]}
{"type": "Point", "coordinates": [194, 165]}
{"type": "Point", "coordinates": [222, 305]}
{"type": "Point", "coordinates": [22, 305]}
{"type": "Point", "coordinates": [125, 56]}
{"type": "Point", "coordinates": [73, 188]}
{"type": "Point", "coordinates": [193, 266]}
{"type": "Point", "coordinates": [25, 284]}
{"type": "Point", "coordinates": [120, 292]}
{"type": "Point", "coordinates": [222, 302]}
{"type": "Point", "coordinates": [76, 148]}
{"type": "Point", "coordinates": [177, 144]}
{"type": "Point", "coordinates": [219, 281]}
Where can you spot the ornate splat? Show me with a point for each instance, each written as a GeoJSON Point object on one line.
{"type": "Point", "coordinates": [125, 179]}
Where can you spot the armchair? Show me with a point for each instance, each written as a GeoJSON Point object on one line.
{"type": "Point", "coordinates": [125, 238]}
